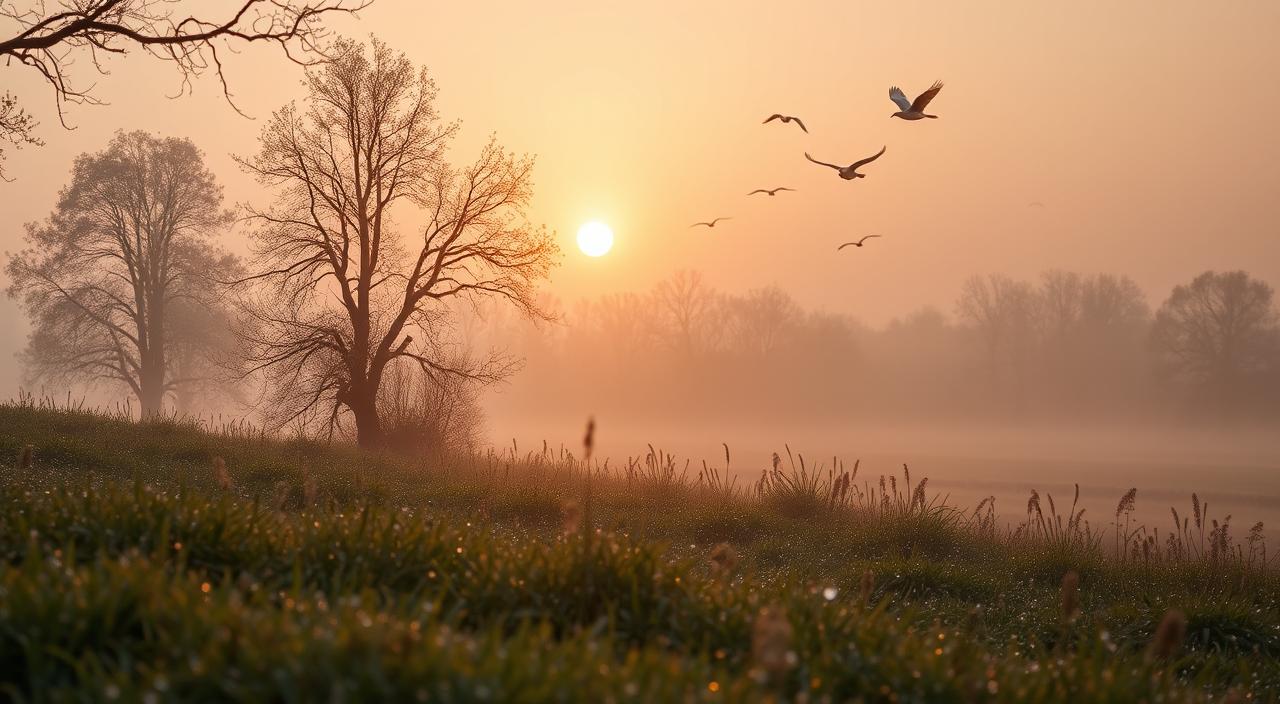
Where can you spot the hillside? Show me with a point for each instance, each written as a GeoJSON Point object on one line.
{"type": "Point", "coordinates": [160, 561]}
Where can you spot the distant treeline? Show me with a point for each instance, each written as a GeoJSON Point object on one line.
{"type": "Point", "coordinates": [1067, 345]}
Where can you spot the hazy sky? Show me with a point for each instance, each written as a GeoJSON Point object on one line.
{"type": "Point", "coordinates": [1148, 130]}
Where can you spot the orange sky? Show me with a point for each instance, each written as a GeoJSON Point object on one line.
{"type": "Point", "coordinates": [1148, 129]}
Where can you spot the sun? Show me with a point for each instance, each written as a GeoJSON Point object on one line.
{"type": "Point", "coordinates": [595, 239]}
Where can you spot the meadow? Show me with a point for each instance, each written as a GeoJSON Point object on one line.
{"type": "Point", "coordinates": [169, 561]}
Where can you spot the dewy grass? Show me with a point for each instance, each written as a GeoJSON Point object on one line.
{"type": "Point", "coordinates": [128, 568]}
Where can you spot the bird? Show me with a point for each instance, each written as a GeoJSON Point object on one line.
{"type": "Point", "coordinates": [849, 172]}
{"type": "Point", "coordinates": [913, 110]}
{"type": "Point", "coordinates": [858, 243]}
{"type": "Point", "coordinates": [709, 224]}
{"type": "Point", "coordinates": [770, 192]}
{"type": "Point", "coordinates": [1035, 204]}
{"type": "Point", "coordinates": [785, 118]}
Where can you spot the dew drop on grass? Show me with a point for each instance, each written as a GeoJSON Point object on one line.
{"type": "Point", "coordinates": [830, 593]}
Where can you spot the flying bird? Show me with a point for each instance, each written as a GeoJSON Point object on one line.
{"type": "Point", "coordinates": [913, 110]}
{"type": "Point", "coordinates": [709, 224]}
{"type": "Point", "coordinates": [849, 172]}
{"type": "Point", "coordinates": [770, 192]}
{"type": "Point", "coordinates": [1036, 204]}
{"type": "Point", "coordinates": [785, 118]}
{"type": "Point", "coordinates": [857, 243]}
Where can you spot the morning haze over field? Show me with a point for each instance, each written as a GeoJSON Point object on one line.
{"type": "Point", "coordinates": [775, 258]}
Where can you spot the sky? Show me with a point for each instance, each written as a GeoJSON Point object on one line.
{"type": "Point", "coordinates": [1147, 130]}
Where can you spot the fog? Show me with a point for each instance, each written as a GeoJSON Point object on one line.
{"type": "Point", "coordinates": [1070, 385]}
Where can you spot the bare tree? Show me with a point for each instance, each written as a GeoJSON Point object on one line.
{"type": "Point", "coordinates": [49, 37]}
{"type": "Point", "coordinates": [687, 303]}
{"type": "Point", "coordinates": [1218, 332]}
{"type": "Point", "coordinates": [1003, 313]}
{"type": "Point", "coordinates": [760, 321]}
{"type": "Point", "coordinates": [342, 293]}
{"type": "Point", "coordinates": [127, 241]}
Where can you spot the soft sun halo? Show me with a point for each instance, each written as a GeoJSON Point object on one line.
{"type": "Point", "coordinates": [595, 239]}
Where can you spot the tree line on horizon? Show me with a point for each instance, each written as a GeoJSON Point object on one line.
{"type": "Point", "coordinates": [1065, 346]}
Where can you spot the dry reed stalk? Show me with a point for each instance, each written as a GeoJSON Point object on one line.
{"type": "Point", "coordinates": [771, 636]}
{"type": "Point", "coordinates": [310, 490]}
{"type": "Point", "coordinates": [866, 586]}
{"type": "Point", "coordinates": [221, 475]}
{"type": "Point", "coordinates": [1070, 594]}
{"type": "Point", "coordinates": [1169, 635]}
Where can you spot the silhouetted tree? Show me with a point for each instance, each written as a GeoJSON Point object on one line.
{"type": "Point", "coordinates": [1003, 313]}
{"type": "Point", "coordinates": [759, 322]}
{"type": "Point", "coordinates": [127, 244]}
{"type": "Point", "coordinates": [1218, 333]}
{"type": "Point", "coordinates": [687, 305]}
{"type": "Point", "coordinates": [341, 292]}
{"type": "Point", "coordinates": [49, 40]}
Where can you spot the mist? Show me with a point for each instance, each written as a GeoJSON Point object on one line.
{"type": "Point", "coordinates": [1013, 385]}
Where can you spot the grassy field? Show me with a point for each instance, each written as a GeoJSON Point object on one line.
{"type": "Point", "coordinates": [154, 562]}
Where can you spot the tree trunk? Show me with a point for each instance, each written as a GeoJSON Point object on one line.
{"type": "Point", "coordinates": [364, 406]}
{"type": "Point", "coordinates": [151, 384]}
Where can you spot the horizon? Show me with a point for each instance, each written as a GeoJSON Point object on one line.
{"type": "Point", "coordinates": [1132, 146]}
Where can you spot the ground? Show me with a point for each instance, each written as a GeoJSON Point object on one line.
{"type": "Point", "coordinates": [164, 561]}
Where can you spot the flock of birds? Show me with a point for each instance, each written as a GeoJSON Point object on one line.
{"type": "Point", "coordinates": [907, 110]}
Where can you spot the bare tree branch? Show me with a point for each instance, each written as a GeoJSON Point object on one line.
{"type": "Point", "coordinates": [48, 39]}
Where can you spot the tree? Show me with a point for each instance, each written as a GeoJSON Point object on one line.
{"type": "Point", "coordinates": [1003, 313]}
{"type": "Point", "coordinates": [760, 321]}
{"type": "Point", "coordinates": [687, 304]}
{"type": "Point", "coordinates": [341, 293]}
{"type": "Point", "coordinates": [48, 40]}
{"type": "Point", "coordinates": [17, 127]}
{"type": "Point", "coordinates": [128, 241]}
{"type": "Point", "coordinates": [1218, 333]}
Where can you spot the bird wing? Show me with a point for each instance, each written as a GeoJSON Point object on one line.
{"type": "Point", "coordinates": [801, 123]}
{"type": "Point", "coordinates": [897, 96]}
{"type": "Point", "coordinates": [771, 118]}
{"type": "Point", "coordinates": [783, 188]}
{"type": "Point", "coordinates": [700, 223]}
{"type": "Point", "coordinates": [846, 244]}
{"type": "Point", "coordinates": [806, 155]}
{"type": "Point", "coordinates": [923, 99]}
{"type": "Point", "coordinates": [713, 222]}
{"type": "Point", "coordinates": [758, 190]}
{"type": "Point", "coordinates": [868, 160]}
{"type": "Point", "coordinates": [864, 239]}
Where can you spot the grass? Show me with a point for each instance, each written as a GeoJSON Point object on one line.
{"type": "Point", "coordinates": [131, 570]}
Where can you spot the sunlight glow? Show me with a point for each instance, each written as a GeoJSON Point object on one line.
{"type": "Point", "coordinates": [595, 239]}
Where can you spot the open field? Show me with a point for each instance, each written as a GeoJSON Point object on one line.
{"type": "Point", "coordinates": [1235, 470]}
{"type": "Point", "coordinates": [158, 562]}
